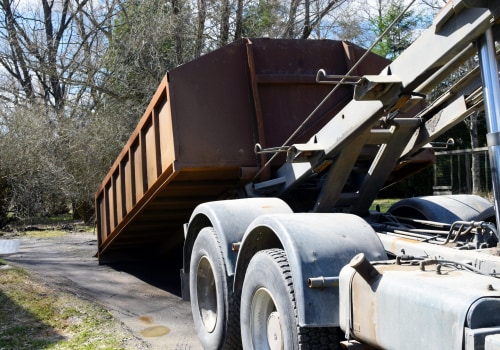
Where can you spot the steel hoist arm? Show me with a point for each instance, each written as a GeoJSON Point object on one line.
{"type": "Point", "coordinates": [373, 125]}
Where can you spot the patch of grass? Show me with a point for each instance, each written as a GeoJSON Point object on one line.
{"type": "Point", "coordinates": [43, 233]}
{"type": "Point", "coordinates": [47, 229]}
{"type": "Point", "coordinates": [35, 316]}
{"type": "Point", "coordinates": [384, 204]}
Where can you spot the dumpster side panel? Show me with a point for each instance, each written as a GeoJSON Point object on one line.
{"type": "Point", "coordinates": [148, 153]}
{"type": "Point", "coordinates": [211, 110]}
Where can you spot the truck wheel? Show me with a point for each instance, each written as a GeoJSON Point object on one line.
{"type": "Point", "coordinates": [268, 317]}
{"type": "Point", "coordinates": [209, 293]}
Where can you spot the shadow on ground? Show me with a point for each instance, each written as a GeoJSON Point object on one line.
{"type": "Point", "coordinates": [162, 272]}
{"type": "Point", "coordinates": [20, 329]}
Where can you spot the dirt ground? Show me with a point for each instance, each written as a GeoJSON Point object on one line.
{"type": "Point", "coordinates": [144, 297]}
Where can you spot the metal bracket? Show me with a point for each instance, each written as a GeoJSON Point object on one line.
{"type": "Point", "coordinates": [259, 150]}
{"type": "Point", "coordinates": [385, 88]}
{"type": "Point", "coordinates": [336, 79]}
{"type": "Point", "coordinates": [442, 145]}
{"type": "Point", "coordinates": [303, 152]}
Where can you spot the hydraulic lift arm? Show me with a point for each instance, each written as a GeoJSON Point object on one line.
{"type": "Point", "coordinates": [376, 117]}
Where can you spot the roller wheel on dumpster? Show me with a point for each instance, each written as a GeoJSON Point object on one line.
{"type": "Point", "coordinates": [210, 294]}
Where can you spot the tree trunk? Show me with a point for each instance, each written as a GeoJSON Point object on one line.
{"type": "Point", "coordinates": [202, 15]}
{"type": "Point", "coordinates": [239, 21]}
{"type": "Point", "coordinates": [19, 68]}
{"type": "Point", "coordinates": [178, 27]}
{"type": "Point", "coordinates": [224, 23]}
{"type": "Point", "coordinates": [307, 21]}
{"type": "Point", "coordinates": [290, 27]}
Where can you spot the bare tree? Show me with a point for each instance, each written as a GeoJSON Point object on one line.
{"type": "Point", "coordinates": [39, 49]}
{"type": "Point", "coordinates": [224, 22]}
{"type": "Point", "coordinates": [313, 20]}
{"type": "Point", "coordinates": [202, 17]}
{"type": "Point", "coordinates": [51, 58]}
{"type": "Point", "coordinates": [178, 24]}
{"type": "Point", "coordinates": [435, 5]}
{"type": "Point", "coordinates": [292, 17]}
{"type": "Point", "coordinates": [286, 19]}
{"type": "Point", "coordinates": [239, 20]}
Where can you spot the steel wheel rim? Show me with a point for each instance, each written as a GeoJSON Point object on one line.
{"type": "Point", "coordinates": [265, 324]}
{"type": "Point", "coordinates": [206, 292]}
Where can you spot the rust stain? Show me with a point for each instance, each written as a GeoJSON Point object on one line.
{"type": "Point", "coordinates": [155, 331]}
{"type": "Point", "coordinates": [146, 319]}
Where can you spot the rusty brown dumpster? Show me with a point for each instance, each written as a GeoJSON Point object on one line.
{"type": "Point", "coordinates": [196, 140]}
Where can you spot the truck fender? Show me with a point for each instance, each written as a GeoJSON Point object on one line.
{"type": "Point", "coordinates": [445, 208]}
{"type": "Point", "coordinates": [316, 245]}
{"type": "Point", "coordinates": [230, 219]}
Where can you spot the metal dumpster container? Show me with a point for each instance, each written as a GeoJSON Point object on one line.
{"type": "Point", "coordinates": [196, 140]}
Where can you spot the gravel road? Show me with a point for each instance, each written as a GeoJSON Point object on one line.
{"type": "Point", "coordinates": [144, 297]}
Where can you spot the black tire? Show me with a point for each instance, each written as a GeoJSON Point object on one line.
{"type": "Point", "coordinates": [267, 289]}
{"type": "Point", "coordinates": [210, 293]}
{"type": "Point", "coordinates": [267, 308]}
{"type": "Point", "coordinates": [323, 338]}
